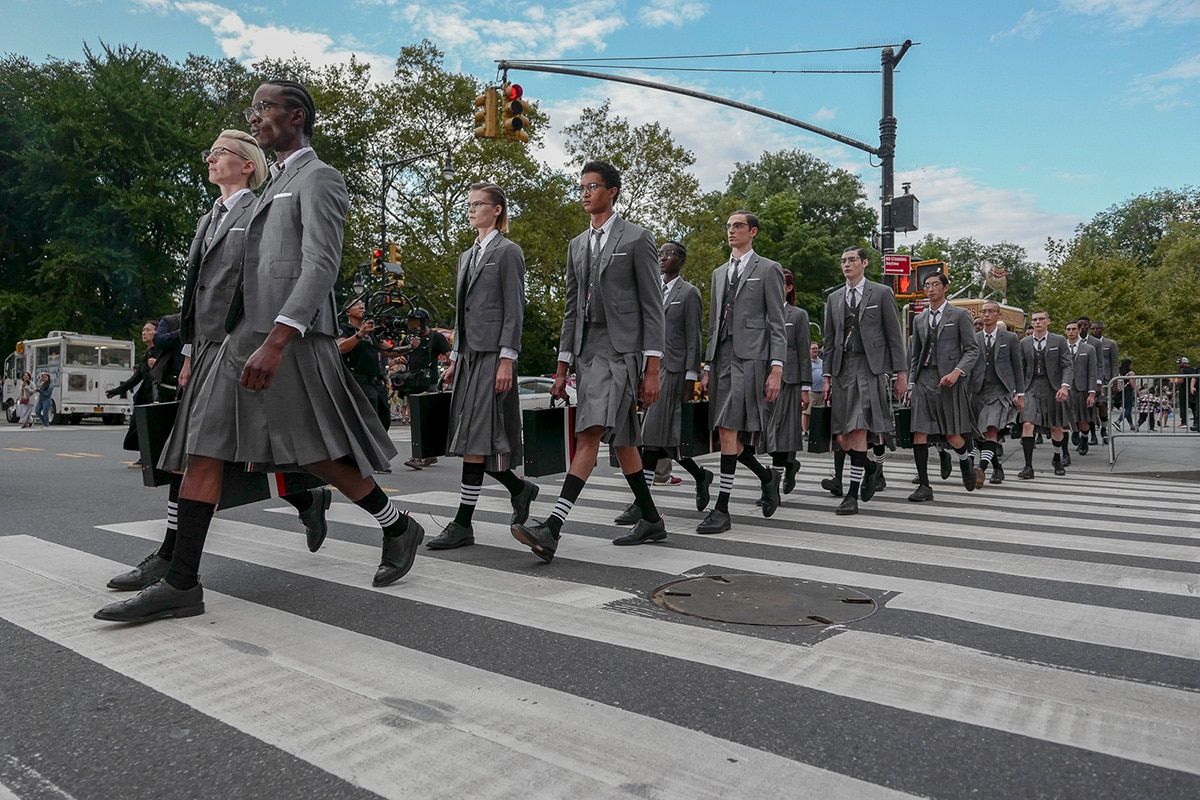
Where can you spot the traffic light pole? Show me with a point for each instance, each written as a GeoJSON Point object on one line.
{"type": "Point", "coordinates": [887, 149]}
{"type": "Point", "coordinates": [387, 172]}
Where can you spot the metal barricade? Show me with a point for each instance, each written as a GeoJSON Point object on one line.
{"type": "Point", "coordinates": [1174, 396]}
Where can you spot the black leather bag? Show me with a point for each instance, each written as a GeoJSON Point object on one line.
{"type": "Point", "coordinates": [903, 421]}
{"type": "Point", "coordinates": [820, 429]}
{"type": "Point", "coordinates": [548, 436]}
{"type": "Point", "coordinates": [695, 432]}
{"type": "Point", "coordinates": [430, 416]}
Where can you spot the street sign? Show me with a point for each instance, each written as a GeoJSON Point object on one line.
{"type": "Point", "coordinates": [896, 264]}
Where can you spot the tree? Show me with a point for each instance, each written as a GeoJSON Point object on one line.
{"type": "Point", "coordinates": [965, 257]}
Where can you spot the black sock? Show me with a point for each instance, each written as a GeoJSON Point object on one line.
{"type": "Point", "coordinates": [858, 467]}
{"type": "Point", "coordinates": [389, 518]}
{"type": "Point", "coordinates": [650, 458]}
{"type": "Point", "coordinates": [879, 450]}
{"type": "Point", "coordinates": [964, 452]}
{"type": "Point", "coordinates": [1059, 444]}
{"type": "Point", "coordinates": [167, 548]}
{"type": "Point", "coordinates": [781, 459]}
{"type": "Point", "coordinates": [691, 466]}
{"type": "Point", "coordinates": [747, 458]}
{"type": "Point", "coordinates": [301, 501]}
{"type": "Point", "coordinates": [194, 519]}
{"type": "Point", "coordinates": [567, 496]}
{"type": "Point", "coordinates": [509, 480]}
{"type": "Point", "coordinates": [641, 495]}
{"type": "Point", "coordinates": [987, 452]}
{"type": "Point", "coordinates": [728, 468]}
{"type": "Point", "coordinates": [921, 459]}
{"type": "Point", "coordinates": [1027, 447]}
{"type": "Point", "coordinates": [839, 463]}
{"type": "Point", "coordinates": [1065, 445]}
{"type": "Point", "coordinates": [468, 493]}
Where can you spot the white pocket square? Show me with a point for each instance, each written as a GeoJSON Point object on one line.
{"type": "Point", "coordinates": [676, 302]}
{"type": "Point", "coordinates": [231, 230]}
{"type": "Point", "coordinates": [753, 279]}
{"type": "Point", "coordinates": [788, 324]}
{"type": "Point", "coordinates": [874, 306]}
{"type": "Point", "coordinates": [1003, 345]}
{"type": "Point", "coordinates": [619, 254]}
{"type": "Point", "coordinates": [1052, 348]}
{"type": "Point", "coordinates": [281, 195]}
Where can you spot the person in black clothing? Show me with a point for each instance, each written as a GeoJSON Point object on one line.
{"type": "Point", "coordinates": [361, 352]}
{"type": "Point", "coordinates": [168, 358]}
{"type": "Point", "coordinates": [423, 349]}
{"type": "Point", "coordinates": [141, 384]}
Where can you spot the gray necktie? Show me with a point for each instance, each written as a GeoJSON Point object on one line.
{"type": "Point", "coordinates": [596, 234]}
{"type": "Point", "coordinates": [1073, 350]}
{"type": "Point", "coordinates": [473, 261]}
{"type": "Point", "coordinates": [989, 341]}
{"type": "Point", "coordinates": [734, 275]}
{"type": "Point", "coordinates": [937, 317]}
{"type": "Point", "coordinates": [666, 291]}
{"type": "Point", "coordinates": [853, 298]}
{"type": "Point", "coordinates": [218, 214]}
{"type": "Point", "coordinates": [1041, 344]}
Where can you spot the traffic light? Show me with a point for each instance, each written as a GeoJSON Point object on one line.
{"type": "Point", "coordinates": [902, 286]}
{"type": "Point", "coordinates": [488, 113]}
{"type": "Point", "coordinates": [393, 253]}
{"type": "Point", "coordinates": [376, 261]}
{"type": "Point", "coordinates": [923, 270]}
{"type": "Point", "coordinates": [514, 121]}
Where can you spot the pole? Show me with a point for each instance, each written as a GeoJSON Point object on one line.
{"type": "Point", "coordinates": [887, 148]}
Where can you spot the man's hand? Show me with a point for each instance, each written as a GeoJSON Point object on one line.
{"type": "Point", "coordinates": [804, 399]}
{"type": "Point", "coordinates": [949, 380]}
{"type": "Point", "coordinates": [504, 375]}
{"type": "Point", "coordinates": [689, 390]}
{"type": "Point", "coordinates": [367, 327]}
{"type": "Point", "coordinates": [1091, 400]}
{"type": "Point", "coordinates": [185, 374]}
{"type": "Point", "coordinates": [1062, 394]}
{"type": "Point", "coordinates": [774, 382]}
{"type": "Point", "coordinates": [704, 383]}
{"type": "Point", "coordinates": [901, 387]}
{"type": "Point", "coordinates": [826, 389]}
{"type": "Point", "coordinates": [1019, 402]}
{"type": "Point", "coordinates": [559, 389]}
{"type": "Point", "coordinates": [264, 362]}
{"type": "Point", "coordinates": [448, 375]}
{"type": "Point", "coordinates": [151, 361]}
{"type": "Point", "coordinates": [651, 383]}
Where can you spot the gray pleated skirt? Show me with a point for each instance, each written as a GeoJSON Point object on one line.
{"type": "Point", "coordinates": [1041, 408]}
{"type": "Point", "coordinates": [313, 410]}
{"type": "Point", "coordinates": [606, 389]}
{"type": "Point", "coordinates": [1078, 411]}
{"type": "Point", "coordinates": [483, 423]}
{"type": "Point", "coordinates": [858, 399]}
{"type": "Point", "coordinates": [662, 424]}
{"type": "Point", "coordinates": [174, 454]}
{"type": "Point", "coordinates": [941, 411]}
{"type": "Point", "coordinates": [785, 431]}
{"type": "Point", "coordinates": [996, 409]}
{"type": "Point", "coordinates": [737, 389]}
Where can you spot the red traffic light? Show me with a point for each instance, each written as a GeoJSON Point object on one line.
{"type": "Point", "coordinates": [904, 284]}
{"type": "Point", "coordinates": [513, 92]}
{"type": "Point", "coordinates": [377, 253]}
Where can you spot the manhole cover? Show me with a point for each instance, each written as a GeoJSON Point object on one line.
{"type": "Point", "coordinates": [764, 600]}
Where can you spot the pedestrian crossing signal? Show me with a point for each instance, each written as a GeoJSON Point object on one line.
{"type": "Point", "coordinates": [514, 113]}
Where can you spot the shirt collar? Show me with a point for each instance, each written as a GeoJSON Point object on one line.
{"type": "Point", "coordinates": [232, 200]}
{"type": "Point", "coordinates": [287, 162]}
{"type": "Point", "coordinates": [483, 243]}
{"type": "Point", "coordinates": [858, 286]}
{"type": "Point", "coordinates": [743, 259]}
{"type": "Point", "coordinates": [606, 228]}
{"type": "Point", "coordinates": [671, 283]}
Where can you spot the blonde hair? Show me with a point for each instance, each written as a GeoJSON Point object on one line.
{"type": "Point", "coordinates": [247, 148]}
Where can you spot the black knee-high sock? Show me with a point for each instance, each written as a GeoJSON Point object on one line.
{"type": "Point", "coordinates": [1065, 444]}
{"type": "Point", "coordinates": [650, 458]}
{"type": "Point", "coordinates": [567, 496]}
{"type": "Point", "coordinates": [508, 479]}
{"type": "Point", "coordinates": [387, 515]}
{"type": "Point", "coordinates": [747, 458]}
{"type": "Point", "coordinates": [781, 459]}
{"type": "Point", "coordinates": [921, 459]}
{"type": "Point", "coordinates": [858, 467]}
{"type": "Point", "coordinates": [691, 466]}
{"type": "Point", "coordinates": [194, 519]}
{"type": "Point", "coordinates": [964, 452]}
{"type": "Point", "coordinates": [987, 452]}
{"type": "Point", "coordinates": [301, 501]}
{"type": "Point", "coordinates": [641, 495]}
{"type": "Point", "coordinates": [167, 548]}
{"type": "Point", "coordinates": [728, 468]}
{"type": "Point", "coordinates": [468, 493]}
{"type": "Point", "coordinates": [1027, 448]}
{"type": "Point", "coordinates": [1060, 444]}
{"type": "Point", "coordinates": [839, 463]}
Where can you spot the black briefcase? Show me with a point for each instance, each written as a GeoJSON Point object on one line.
{"type": "Point", "coordinates": [695, 432]}
{"type": "Point", "coordinates": [548, 439]}
{"type": "Point", "coordinates": [153, 423]}
{"type": "Point", "coordinates": [902, 417]}
{"type": "Point", "coordinates": [820, 429]}
{"type": "Point", "coordinates": [430, 415]}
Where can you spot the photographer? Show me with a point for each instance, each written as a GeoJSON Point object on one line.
{"type": "Point", "coordinates": [422, 349]}
{"type": "Point", "coordinates": [361, 353]}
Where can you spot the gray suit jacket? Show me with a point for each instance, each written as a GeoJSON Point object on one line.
{"type": "Point", "coordinates": [629, 283]}
{"type": "Point", "coordinates": [212, 275]}
{"type": "Point", "coordinates": [798, 367]}
{"type": "Point", "coordinates": [956, 345]}
{"type": "Point", "coordinates": [683, 320]}
{"type": "Point", "coordinates": [1059, 368]}
{"type": "Point", "coordinates": [1108, 356]}
{"type": "Point", "coordinates": [1007, 359]}
{"type": "Point", "coordinates": [757, 324]}
{"type": "Point", "coordinates": [1087, 367]}
{"type": "Point", "coordinates": [879, 320]}
{"type": "Point", "coordinates": [494, 309]}
{"type": "Point", "coordinates": [294, 248]}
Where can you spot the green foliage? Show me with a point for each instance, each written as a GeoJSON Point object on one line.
{"type": "Point", "coordinates": [965, 256]}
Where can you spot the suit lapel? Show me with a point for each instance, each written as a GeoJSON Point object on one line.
{"type": "Point", "coordinates": [492, 249]}
{"type": "Point", "coordinates": [674, 293]}
{"type": "Point", "coordinates": [721, 283]}
{"type": "Point", "coordinates": [614, 237]}
{"type": "Point", "coordinates": [862, 301]}
{"type": "Point", "coordinates": [280, 182]}
{"type": "Point", "coordinates": [750, 269]}
{"type": "Point", "coordinates": [234, 216]}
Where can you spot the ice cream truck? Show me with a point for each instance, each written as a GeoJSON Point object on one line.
{"type": "Point", "coordinates": [82, 368]}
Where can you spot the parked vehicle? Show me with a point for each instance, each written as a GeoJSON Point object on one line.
{"type": "Point", "coordinates": [82, 368]}
{"type": "Point", "coordinates": [534, 391]}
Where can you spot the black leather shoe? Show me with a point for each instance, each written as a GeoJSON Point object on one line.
{"type": "Point", "coordinates": [644, 532]}
{"type": "Point", "coordinates": [923, 494]}
{"type": "Point", "coordinates": [399, 553]}
{"type": "Point", "coordinates": [770, 494]}
{"type": "Point", "coordinates": [1026, 473]}
{"type": "Point", "coordinates": [630, 516]}
{"type": "Point", "coordinates": [997, 473]}
{"type": "Point", "coordinates": [980, 476]}
{"type": "Point", "coordinates": [866, 489]}
{"type": "Point", "coordinates": [947, 464]}
{"type": "Point", "coordinates": [703, 486]}
{"type": "Point", "coordinates": [315, 526]}
{"type": "Point", "coordinates": [1075, 438]}
{"type": "Point", "coordinates": [1092, 437]}
{"type": "Point", "coordinates": [789, 477]}
{"type": "Point", "coordinates": [1084, 446]}
{"type": "Point", "coordinates": [849, 506]}
{"type": "Point", "coordinates": [521, 503]}
{"type": "Point", "coordinates": [538, 538]}
{"type": "Point", "coordinates": [151, 569]}
{"type": "Point", "coordinates": [916, 481]}
{"type": "Point", "coordinates": [968, 474]}
{"type": "Point", "coordinates": [880, 479]}
{"type": "Point", "coordinates": [1058, 467]}
{"type": "Point", "coordinates": [452, 536]}
{"type": "Point", "coordinates": [715, 522]}
{"type": "Point", "coordinates": [160, 600]}
{"type": "Point", "coordinates": [832, 485]}
{"type": "Point", "coordinates": [1066, 460]}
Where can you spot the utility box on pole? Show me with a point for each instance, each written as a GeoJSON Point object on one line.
{"type": "Point", "coordinates": [904, 212]}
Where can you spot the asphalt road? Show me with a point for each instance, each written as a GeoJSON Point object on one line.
{"type": "Point", "coordinates": [1036, 639]}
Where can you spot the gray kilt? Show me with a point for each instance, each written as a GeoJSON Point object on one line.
{"type": "Point", "coordinates": [995, 408]}
{"type": "Point", "coordinates": [737, 389]}
{"type": "Point", "coordinates": [483, 423]}
{"type": "Point", "coordinates": [663, 421]}
{"type": "Point", "coordinates": [940, 411]}
{"type": "Point", "coordinates": [1041, 408]}
{"type": "Point", "coordinates": [174, 454]}
{"type": "Point", "coordinates": [1078, 411]}
{"type": "Point", "coordinates": [859, 400]}
{"type": "Point", "coordinates": [784, 430]}
{"type": "Point", "coordinates": [606, 388]}
{"type": "Point", "coordinates": [312, 411]}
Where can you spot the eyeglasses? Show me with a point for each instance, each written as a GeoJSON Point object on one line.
{"type": "Point", "coordinates": [217, 152]}
{"type": "Point", "coordinates": [588, 188]}
{"type": "Point", "coordinates": [478, 203]}
{"type": "Point", "coordinates": [736, 226]}
{"type": "Point", "coordinates": [932, 284]}
{"type": "Point", "coordinates": [258, 109]}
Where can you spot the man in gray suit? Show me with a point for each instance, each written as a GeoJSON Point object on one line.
{"type": "Point", "coordinates": [743, 373]}
{"type": "Point", "coordinates": [1109, 358]}
{"type": "Point", "coordinates": [864, 348]}
{"type": "Point", "coordinates": [1081, 398]}
{"type": "Point", "coordinates": [998, 383]}
{"type": "Point", "coordinates": [612, 325]}
{"type": "Point", "coordinates": [279, 386]}
{"type": "Point", "coordinates": [942, 355]}
{"type": "Point", "coordinates": [1048, 376]}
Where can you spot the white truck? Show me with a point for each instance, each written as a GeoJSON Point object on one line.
{"type": "Point", "coordinates": [82, 368]}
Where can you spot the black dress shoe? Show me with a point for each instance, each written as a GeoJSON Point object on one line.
{"type": "Point", "coordinates": [715, 522]}
{"type": "Point", "coordinates": [866, 489]}
{"type": "Point", "coordinates": [537, 537]}
{"type": "Point", "coordinates": [923, 494]}
{"type": "Point", "coordinates": [644, 532]}
{"type": "Point", "coordinates": [997, 473]}
{"type": "Point", "coordinates": [916, 481]}
{"type": "Point", "coordinates": [849, 506]}
{"type": "Point", "coordinates": [832, 485]}
{"type": "Point", "coordinates": [399, 552]}
{"type": "Point", "coordinates": [1075, 438]}
{"type": "Point", "coordinates": [880, 479]}
{"type": "Point", "coordinates": [702, 489]}
{"type": "Point", "coordinates": [980, 477]}
{"type": "Point", "coordinates": [968, 474]}
{"type": "Point", "coordinates": [770, 494]}
{"type": "Point", "coordinates": [1066, 459]}
{"type": "Point", "coordinates": [521, 502]}
{"type": "Point", "coordinates": [1026, 473]}
{"type": "Point", "coordinates": [789, 476]}
{"type": "Point", "coordinates": [1092, 438]}
{"type": "Point", "coordinates": [151, 569]}
{"type": "Point", "coordinates": [947, 464]}
{"type": "Point", "coordinates": [452, 536]}
{"type": "Point", "coordinates": [630, 516]}
{"type": "Point", "coordinates": [160, 600]}
{"type": "Point", "coordinates": [1083, 448]}
{"type": "Point", "coordinates": [313, 518]}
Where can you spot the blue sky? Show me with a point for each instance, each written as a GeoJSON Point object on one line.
{"type": "Point", "coordinates": [1017, 119]}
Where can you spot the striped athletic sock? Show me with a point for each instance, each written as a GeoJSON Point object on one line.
{"type": "Point", "coordinates": [858, 467]}
{"type": "Point", "coordinates": [964, 453]}
{"type": "Point", "coordinates": [986, 454]}
{"type": "Point", "coordinates": [728, 468]}
{"type": "Point", "coordinates": [468, 493]}
{"type": "Point", "coordinates": [567, 496]}
{"type": "Point", "coordinates": [387, 515]}
{"type": "Point", "coordinates": [167, 548]}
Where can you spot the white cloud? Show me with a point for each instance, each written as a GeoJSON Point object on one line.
{"type": "Point", "coordinates": [1137, 13]}
{"type": "Point", "coordinates": [824, 114]}
{"type": "Point", "coordinates": [1172, 88]}
{"type": "Point", "coordinates": [658, 13]}
{"type": "Point", "coordinates": [1029, 26]}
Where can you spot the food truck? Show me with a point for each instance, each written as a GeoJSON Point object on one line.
{"type": "Point", "coordinates": [82, 368]}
